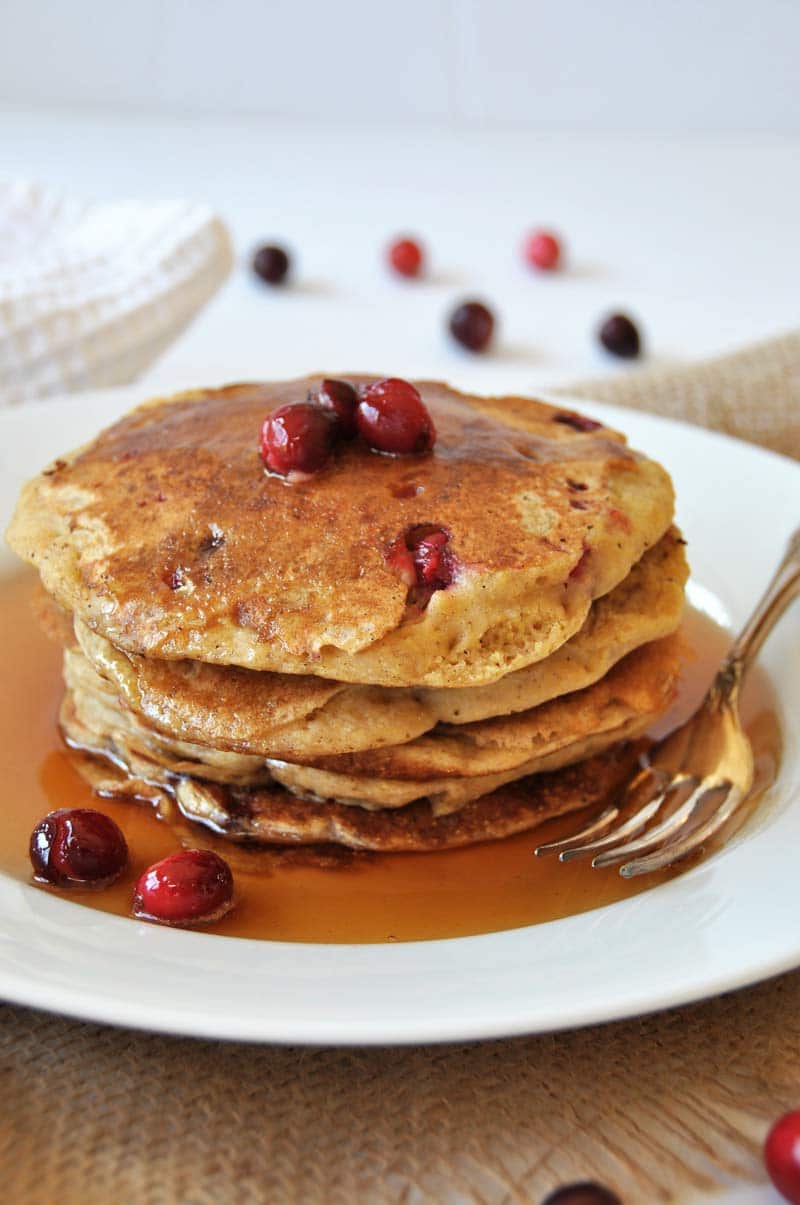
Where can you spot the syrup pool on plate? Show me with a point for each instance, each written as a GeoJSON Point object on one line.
{"type": "Point", "coordinates": [302, 896]}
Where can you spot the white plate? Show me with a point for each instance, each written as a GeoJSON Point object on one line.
{"type": "Point", "coordinates": [726, 923]}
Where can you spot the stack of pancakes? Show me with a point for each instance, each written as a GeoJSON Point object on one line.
{"type": "Point", "coordinates": [245, 647]}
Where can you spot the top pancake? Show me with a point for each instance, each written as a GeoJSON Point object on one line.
{"type": "Point", "coordinates": [166, 536]}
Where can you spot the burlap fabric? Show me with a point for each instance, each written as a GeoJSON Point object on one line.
{"type": "Point", "coordinates": [659, 1108]}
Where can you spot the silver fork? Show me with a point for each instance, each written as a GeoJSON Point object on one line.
{"type": "Point", "coordinates": [691, 783]}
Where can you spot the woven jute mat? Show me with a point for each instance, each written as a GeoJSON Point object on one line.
{"type": "Point", "coordinates": [657, 1107]}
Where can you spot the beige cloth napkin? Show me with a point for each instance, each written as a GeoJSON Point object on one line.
{"type": "Point", "coordinates": [654, 1107]}
{"type": "Point", "coordinates": [92, 292]}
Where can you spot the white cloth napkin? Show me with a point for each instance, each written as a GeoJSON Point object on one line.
{"type": "Point", "coordinates": [90, 293]}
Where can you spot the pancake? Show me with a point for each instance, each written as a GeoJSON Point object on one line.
{"type": "Point", "coordinates": [640, 685]}
{"type": "Point", "coordinates": [273, 816]}
{"type": "Point", "coordinates": [647, 605]}
{"type": "Point", "coordinates": [297, 717]}
{"type": "Point", "coordinates": [255, 711]}
{"type": "Point", "coordinates": [166, 536]}
{"type": "Point", "coordinates": [622, 705]}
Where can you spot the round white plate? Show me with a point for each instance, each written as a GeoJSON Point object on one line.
{"type": "Point", "coordinates": [723, 924]}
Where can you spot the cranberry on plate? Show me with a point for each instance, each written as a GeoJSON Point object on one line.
{"type": "Point", "coordinates": [77, 847]}
{"type": "Point", "coordinates": [543, 250]}
{"type": "Point", "coordinates": [271, 264]}
{"type": "Point", "coordinates": [782, 1156]}
{"type": "Point", "coordinates": [297, 440]}
{"type": "Point", "coordinates": [193, 886]}
{"type": "Point", "coordinates": [341, 398]}
{"type": "Point", "coordinates": [392, 417]}
{"type": "Point", "coordinates": [406, 257]}
{"type": "Point", "coordinates": [472, 325]}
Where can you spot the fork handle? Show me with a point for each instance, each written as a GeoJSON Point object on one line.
{"type": "Point", "coordinates": [781, 591]}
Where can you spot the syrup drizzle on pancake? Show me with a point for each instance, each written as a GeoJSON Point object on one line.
{"type": "Point", "coordinates": [318, 895]}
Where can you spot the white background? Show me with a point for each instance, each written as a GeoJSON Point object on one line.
{"type": "Point", "coordinates": [648, 65]}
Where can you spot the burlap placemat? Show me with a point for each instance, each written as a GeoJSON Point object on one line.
{"type": "Point", "coordinates": [753, 393]}
{"type": "Point", "coordinates": [655, 1107]}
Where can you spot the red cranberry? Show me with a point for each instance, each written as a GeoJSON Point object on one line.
{"type": "Point", "coordinates": [297, 440]}
{"type": "Point", "coordinates": [578, 422]}
{"type": "Point", "coordinates": [406, 256]}
{"type": "Point", "coordinates": [432, 559]}
{"type": "Point", "coordinates": [619, 335]}
{"type": "Point", "coordinates": [392, 417]}
{"type": "Point", "coordinates": [191, 886]}
{"type": "Point", "coordinates": [78, 847]}
{"type": "Point", "coordinates": [472, 325]}
{"type": "Point", "coordinates": [782, 1156]}
{"type": "Point", "coordinates": [342, 399]}
{"type": "Point", "coordinates": [543, 250]}
{"type": "Point", "coordinates": [271, 264]}
{"type": "Point", "coordinates": [423, 560]}
{"type": "Point", "coordinates": [585, 1193]}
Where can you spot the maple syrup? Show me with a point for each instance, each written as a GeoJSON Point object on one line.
{"type": "Point", "coordinates": [295, 897]}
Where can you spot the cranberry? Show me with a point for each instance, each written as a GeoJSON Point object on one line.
{"type": "Point", "coordinates": [392, 417]}
{"type": "Point", "coordinates": [297, 439]}
{"type": "Point", "coordinates": [406, 256]}
{"type": "Point", "coordinates": [542, 250]}
{"type": "Point", "coordinates": [78, 847]}
{"type": "Point", "coordinates": [271, 264]}
{"type": "Point", "coordinates": [782, 1156]}
{"type": "Point", "coordinates": [423, 560]}
{"type": "Point", "coordinates": [342, 399]}
{"type": "Point", "coordinates": [585, 1193]}
{"type": "Point", "coordinates": [578, 422]}
{"type": "Point", "coordinates": [619, 335]}
{"type": "Point", "coordinates": [472, 325]}
{"type": "Point", "coordinates": [432, 560]}
{"type": "Point", "coordinates": [191, 886]}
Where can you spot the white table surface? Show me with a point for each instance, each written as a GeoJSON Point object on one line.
{"type": "Point", "coordinates": [697, 238]}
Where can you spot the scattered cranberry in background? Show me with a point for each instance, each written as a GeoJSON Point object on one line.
{"type": "Point", "coordinates": [582, 1194]}
{"type": "Point", "coordinates": [620, 336]}
{"type": "Point", "coordinates": [392, 417]}
{"type": "Point", "coordinates": [542, 250]}
{"type": "Point", "coordinates": [271, 264]}
{"type": "Point", "coordinates": [342, 399]}
{"type": "Point", "coordinates": [472, 325]}
{"type": "Point", "coordinates": [782, 1156]}
{"type": "Point", "coordinates": [189, 887]}
{"type": "Point", "coordinates": [77, 847]}
{"type": "Point", "coordinates": [297, 440]}
{"type": "Point", "coordinates": [406, 257]}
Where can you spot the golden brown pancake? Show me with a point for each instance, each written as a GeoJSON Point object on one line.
{"type": "Point", "coordinates": [166, 536]}
{"type": "Point", "coordinates": [272, 816]}
{"type": "Point", "coordinates": [622, 705]}
{"type": "Point", "coordinates": [299, 717]}
{"type": "Point", "coordinates": [640, 685]}
{"type": "Point", "coordinates": [255, 711]}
